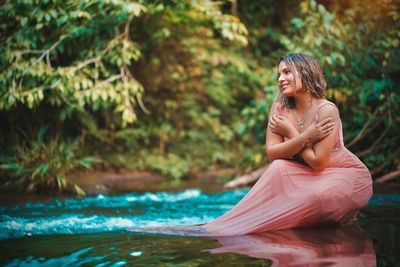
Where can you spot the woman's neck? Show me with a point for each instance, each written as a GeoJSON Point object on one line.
{"type": "Point", "coordinates": [303, 102]}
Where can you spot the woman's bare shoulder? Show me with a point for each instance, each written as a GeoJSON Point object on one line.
{"type": "Point", "coordinates": [328, 109]}
{"type": "Point", "coordinates": [277, 106]}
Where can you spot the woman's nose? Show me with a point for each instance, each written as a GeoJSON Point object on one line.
{"type": "Point", "coordinates": [281, 78]}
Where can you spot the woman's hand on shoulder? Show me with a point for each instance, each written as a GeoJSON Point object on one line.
{"type": "Point", "coordinates": [282, 126]}
{"type": "Point", "coordinates": [318, 130]}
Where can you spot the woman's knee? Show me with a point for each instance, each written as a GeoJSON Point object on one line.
{"type": "Point", "coordinates": [278, 163]}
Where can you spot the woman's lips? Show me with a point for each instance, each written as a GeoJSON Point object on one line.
{"type": "Point", "coordinates": [283, 86]}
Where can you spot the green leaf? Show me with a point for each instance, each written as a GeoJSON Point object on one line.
{"type": "Point", "coordinates": [31, 187]}
{"type": "Point", "coordinates": [79, 190]}
{"type": "Point", "coordinates": [242, 129]}
{"type": "Point", "coordinates": [42, 168]}
{"type": "Point", "coordinates": [24, 22]}
{"type": "Point", "coordinates": [61, 181]}
{"type": "Point", "coordinates": [10, 165]}
{"type": "Point", "coordinates": [42, 131]}
{"type": "Point", "coordinates": [87, 161]}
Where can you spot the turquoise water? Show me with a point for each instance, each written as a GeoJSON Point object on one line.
{"type": "Point", "coordinates": [111, 213]}
{"type": "Point", "coordinates": [91, 231]}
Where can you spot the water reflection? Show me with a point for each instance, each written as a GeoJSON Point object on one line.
{"type": "Point", "coordinates": [329, 246]}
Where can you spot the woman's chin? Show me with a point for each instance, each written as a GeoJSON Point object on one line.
{"type": "Point", "coordinates": [287, 93]}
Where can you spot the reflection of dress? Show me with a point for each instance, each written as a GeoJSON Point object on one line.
{"type": "Point", "coordinates": [290, 194]}
{"type": "Point", "coordinates": [329, 246]}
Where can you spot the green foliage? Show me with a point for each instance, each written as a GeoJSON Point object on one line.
{"type": "Point", "coordinates": [359, 50]}
{"type": "Point", "coordinates": [38, 165]}
{"type": "Point", "coordinates": [181, 86]}
{"type": "Point", "coordinates": [126, 50]}
{"type": "Point", "coordinates": [170, 164]}
{"type": "Point", "coordinates": [41, 62]}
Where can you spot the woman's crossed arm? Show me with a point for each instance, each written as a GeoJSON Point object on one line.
{"type": "Point", "coordinates": [314, 144]}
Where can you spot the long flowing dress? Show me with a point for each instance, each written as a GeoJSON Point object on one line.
{"type": "Point", "coordinates": [290, 194]}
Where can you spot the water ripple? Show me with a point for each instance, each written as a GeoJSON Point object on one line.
{"type": "Point", "coordinates": [112, 213]}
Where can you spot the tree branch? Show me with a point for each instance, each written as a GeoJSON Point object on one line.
{"type": "Point", "coordinates": [247, 178]}
{"type": "Point", "coordinates": [395, 158]}
{"type": "Point", "coordinates": [363, 131]}
{"type": "Point", "coordinates": [388, 177]}
{"type": "Point", "coordinates": [30, 51]}
{"type": "Point", "coordinates": [141, 104]}
{"type": "Point", "coordinates": [124, 67]}
{"type": "Point", "coordinates": [109, 80]}
{"type": "Point", "coordinates": [45, 53]}
{"type": "Point", "coordinates": [24, 93]}
{"type": "Point", "coordinates": [87, 62]}
{"type": "Point", "coordinates": [5, 4]}
{"type": "Point", "coordinates": [371, 148]}
{"type": "Point", "coordinates": [126, 73]}
{"type": "Point", "coordinates": [98, 58]}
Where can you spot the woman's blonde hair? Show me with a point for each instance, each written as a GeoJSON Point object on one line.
{"type": "Point", "coordinates": [311, 74]}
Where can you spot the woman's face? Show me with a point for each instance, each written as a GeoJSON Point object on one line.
{"type": "Point", "coordinates": [289, 82]}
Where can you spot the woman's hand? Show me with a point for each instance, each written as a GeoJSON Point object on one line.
{"type": "Point", "coordinates": [282, 126]}
{"type": "Point", "coordinates": [318, 131]}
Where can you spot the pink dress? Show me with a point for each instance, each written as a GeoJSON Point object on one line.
{"type": "Point", "coordinates": [290, 194]}
{"type": "Point", "coordinates": [345, 245]}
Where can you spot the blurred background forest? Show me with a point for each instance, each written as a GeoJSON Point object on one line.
{"type": "Point", "coordinates": [179, 86]}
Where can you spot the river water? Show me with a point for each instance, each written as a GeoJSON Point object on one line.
{"type": "Point", "coordinates": [91, 231]}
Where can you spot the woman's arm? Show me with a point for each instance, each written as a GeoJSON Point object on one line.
{"type": "Point", "coordinates": [317, 155]}
{"type": "Point", "coordinates": [275, 147]}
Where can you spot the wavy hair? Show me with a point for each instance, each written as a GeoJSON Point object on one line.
{"type": "Point", "coordinates": [311, 74]}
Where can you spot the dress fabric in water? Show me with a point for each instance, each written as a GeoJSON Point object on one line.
{"type": "Point", "coordinates": [344, 245]}
{"type": "Point", "coordinates": [290, 194]}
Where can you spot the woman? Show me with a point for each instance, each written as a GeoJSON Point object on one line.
{"type": "Point", "coordinates": [312, 179]}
